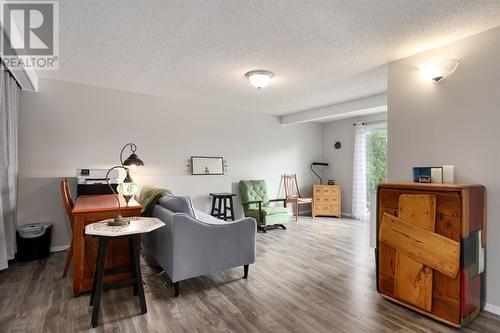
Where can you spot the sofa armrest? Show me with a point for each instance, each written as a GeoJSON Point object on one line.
{"type": "Point", "coordinates": [201, 248]}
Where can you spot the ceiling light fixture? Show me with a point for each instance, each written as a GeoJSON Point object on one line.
{"type": "Point", "coordinates": [437, 70]}
{"type": "Point", "coordinates": [259, 78]}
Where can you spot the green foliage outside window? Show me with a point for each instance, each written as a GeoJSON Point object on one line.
{"type": "Point", "coordinates": [376, 158]}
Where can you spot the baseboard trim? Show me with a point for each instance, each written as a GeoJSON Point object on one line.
{"type": "Point", "coordinates": [59, 248]}
{"type": "Point", "coordinates": [492, 308]}
{"type": "Point", "coordinates": [346, 214]}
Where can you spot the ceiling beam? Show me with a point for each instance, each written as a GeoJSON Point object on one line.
{"type": "Point", "coordinates": [358, 107]}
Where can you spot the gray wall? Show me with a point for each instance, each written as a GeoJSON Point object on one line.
{"type": "Point", "coordinates": [341, 161]}
{"type": "Point", "coordinates": [66, 126]}
{"type": "Point", "coordinates": [454, 122]}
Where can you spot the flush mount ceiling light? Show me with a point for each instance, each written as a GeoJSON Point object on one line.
{"type": "Point", "coordinates": [259, 79]}
{"type": "Point", "coordinates": [437, 70]}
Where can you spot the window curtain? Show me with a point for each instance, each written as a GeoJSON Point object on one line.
{"type": "Point", "coordinates": [9, 102]}
{"type": "Point", "coordinates": [359, 199]}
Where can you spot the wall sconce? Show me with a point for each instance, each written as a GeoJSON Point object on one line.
{"type": "Point", "coordinates": [437, 70]}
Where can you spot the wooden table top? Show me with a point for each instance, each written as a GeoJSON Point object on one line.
{"type": "Point", "coordinates": [224, 194]}
{"type": "Point", "coordinates": [138, 225]}
{"type": "Point", "coordinates": [429, 186]}
{"type": "Point", "coordinates": [104, 202]}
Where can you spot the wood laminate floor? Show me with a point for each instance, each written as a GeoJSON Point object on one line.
{"type": "Point", "coordinates": [317, 276]}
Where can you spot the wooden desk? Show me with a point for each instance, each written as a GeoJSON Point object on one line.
{"type": "Point", "coordinates": [89, 209]}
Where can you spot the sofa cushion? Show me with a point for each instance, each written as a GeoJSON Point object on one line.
{"type": "Point", "coordinates": [207, 218]}
{"type": "Point", "coordinates": [178, 204]}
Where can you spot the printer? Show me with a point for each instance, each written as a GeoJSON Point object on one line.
{"type": "Point", "coordinates": [93, 181]}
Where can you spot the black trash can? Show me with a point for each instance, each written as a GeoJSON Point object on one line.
{"type": "Point", "coordinates": [33, 241]}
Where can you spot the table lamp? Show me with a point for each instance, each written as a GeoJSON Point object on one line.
{"type": "Point", "coordinates": [133, 159]}
{"type": "Point", "coordinates": [127, 188]}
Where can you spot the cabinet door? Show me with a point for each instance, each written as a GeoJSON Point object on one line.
{"type": "Point", "coordinates": [445, 290]}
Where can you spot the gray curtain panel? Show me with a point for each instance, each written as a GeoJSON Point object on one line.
{"type": "Point", "coordinates": [9, 103]}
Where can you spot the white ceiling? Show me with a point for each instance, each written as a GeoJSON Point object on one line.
{"type": "Point", "coordinates": [322, 52]}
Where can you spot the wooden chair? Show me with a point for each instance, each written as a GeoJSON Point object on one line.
{"type": "Point", "coordinates": [68, 204]}
{"type": "Point", "coordinates": [293, 194]}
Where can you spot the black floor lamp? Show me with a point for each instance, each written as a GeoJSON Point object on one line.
{"type": "Point", "coordinates": [319, 164]}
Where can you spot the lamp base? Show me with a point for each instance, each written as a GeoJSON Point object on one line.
{"type": "Point", "coordinates": [118, 221]}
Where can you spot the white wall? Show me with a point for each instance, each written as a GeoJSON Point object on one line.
{"type": "Point", "coordinates": [341, 161]}
{"type": "Point", "coordinates": [66, 126]}
{"type": "Point", "coordinates": [454, 122]}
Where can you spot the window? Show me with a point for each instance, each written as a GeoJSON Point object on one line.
{"type": "Point", "coordinates": [376, 156]}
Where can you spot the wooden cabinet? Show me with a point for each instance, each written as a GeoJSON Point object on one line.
{"type": "Point", "coordinates": [89, 209]}
{"type": "Point", "coordinates": [413, 221]}
{"type": "Point", "coordinates": [326, 200]}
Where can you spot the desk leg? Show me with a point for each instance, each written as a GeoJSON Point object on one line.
{"type": "Point", "coordinates": [137, 271]}
{"type": "Point", "coordinates": [78, 252]}
{"type": "Point", "coordinates": [99, 277]}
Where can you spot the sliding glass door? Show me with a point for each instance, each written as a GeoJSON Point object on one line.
{"type": "Point", "coordinates": [376, 170]}
{"type": "Point", "coordinates": [376, 156]}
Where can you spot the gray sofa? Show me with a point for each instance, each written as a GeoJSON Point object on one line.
{"type": "Point", "coordinates": [193, 243]}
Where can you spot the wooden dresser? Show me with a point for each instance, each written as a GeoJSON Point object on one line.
{"type": "Point", "coordinates": [431, 242]}
{"type": "Point", "coordinates": [326, 200]}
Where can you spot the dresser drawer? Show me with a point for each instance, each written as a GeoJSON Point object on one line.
{"type": "Point", "coordinates": [323, 199]}
{"type": "Point", "coordinates": [318, 190]}
{"type": "Point", "coordinates": [322, 208]}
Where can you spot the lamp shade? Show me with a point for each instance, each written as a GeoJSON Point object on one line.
{"type": "Point", "coordinates": [259, 79]}
{"type": "Point", "coordinates": [133, 159]}
{"type": "Point", "coordinates": [127, 188]}
{"type": "Point", "coordinates": [437, 70]}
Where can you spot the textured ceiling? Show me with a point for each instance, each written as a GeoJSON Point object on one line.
{"type": "Point", "coordinates": [321, 52]}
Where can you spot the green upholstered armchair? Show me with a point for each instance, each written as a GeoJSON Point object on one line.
{"type": "Point", "coordinates": [256, 204]}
